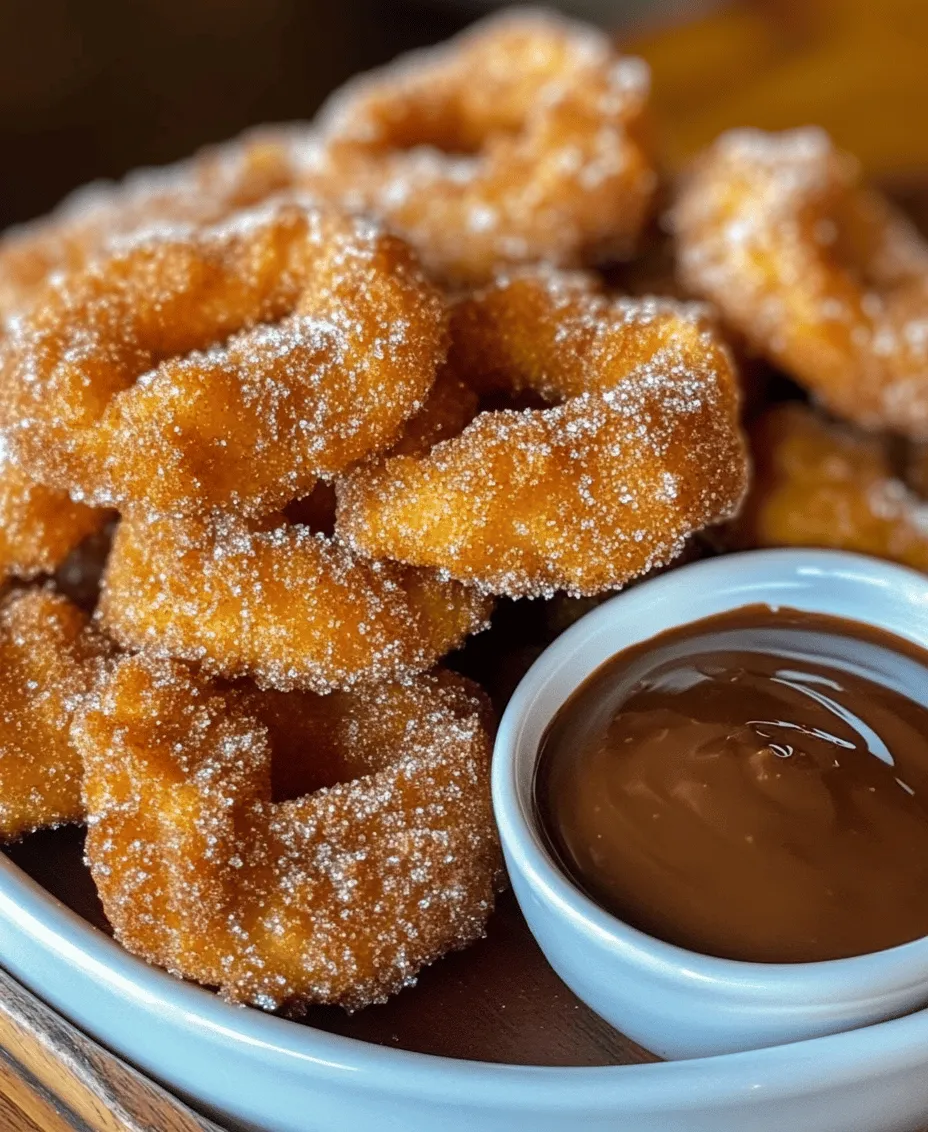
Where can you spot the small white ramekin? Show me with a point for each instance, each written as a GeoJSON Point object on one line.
{"type": "Point", "coordinates": [678, 1003]}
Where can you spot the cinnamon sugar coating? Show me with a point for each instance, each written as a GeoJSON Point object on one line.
{"type": "Point", "coordinates": [341, 894]}
{"type": "Point", "coordinates": [204, 189]}
{"type": "Point", "coordinates": [277, 602]}
{"type": "Point", "coordinates": [817, 483]}
{"type": "Point", "coordinates": [818, 272]}
{"type": "Point", "coordinates": [330, 443]}
{"type": "Point", "coordinates": [643, 450]}
{"type": "Point", "coordinates": [39, 526]}
{"type": "Point", "coordinates": [222, 369]}
{"type": "Point", "coordinates": [451, 405]}
{"type": "Point", "coordinates": [49, 657]}
{"type": "Point", "coordinates": [523, 140]}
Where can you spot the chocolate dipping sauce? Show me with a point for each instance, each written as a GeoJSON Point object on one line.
{"type": "Point", "coordinates": [752, 786]}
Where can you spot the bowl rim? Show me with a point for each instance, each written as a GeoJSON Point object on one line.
{"type": "Point", "coordinates": [733, 579]}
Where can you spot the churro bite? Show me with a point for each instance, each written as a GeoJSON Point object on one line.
{"type": "Point", "coordinates": [641, 446]}
{"type": "Point", "coordinates": [290, 607]}
{"type": "Point", "coordinates": [821, 483]}
{"type": "Point", "coordinates": [204, 189]}
{"type": "Point", "coordinates": [819, 272]}
{"type": "Point", "coordinates": [524, 140]}
{"type": "Point", "coordinates": [49, 658]}
{"type": "Point", "coordinates": [222, 369]}
{"type": "Point", "coordinates": [382, 857]}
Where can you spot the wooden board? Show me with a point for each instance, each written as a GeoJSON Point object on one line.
{"type": "Point", "coordinates": [54, 1079]}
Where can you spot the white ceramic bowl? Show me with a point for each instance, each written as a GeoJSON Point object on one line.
{"type": "Point", "coordinates": [676, 1002]}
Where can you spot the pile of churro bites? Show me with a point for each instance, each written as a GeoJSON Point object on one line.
{"type": "Point", "coordinates": [308, 437]}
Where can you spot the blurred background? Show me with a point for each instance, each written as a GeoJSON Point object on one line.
{"type": "Point", "coordinates": [91, 88]}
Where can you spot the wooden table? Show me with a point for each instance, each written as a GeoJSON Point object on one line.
{"type": "Point", "coordinates": [53, 1079]}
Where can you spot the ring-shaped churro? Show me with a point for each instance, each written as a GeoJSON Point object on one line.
{"type": "Point", "coordinates": [644, 450]}
{"type": "Point", "coordinates": [280, 603]}
{"type": "Point", "coordinates": [524, 140]}
{"type": "Point", "coordinates": [819, 273]}
{"type": "Point", "coordinates": [222, 369]}
{"type": "Point", "coordinates": [204, 189]}
{"type": "Point", "coordinates": [387, 859]}
{"type": "Point", "coordinates": [818, 483]}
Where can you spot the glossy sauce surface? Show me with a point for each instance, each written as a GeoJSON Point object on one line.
{"type": "Point", "coordinates": [752, 786]}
